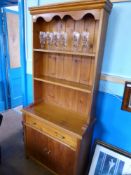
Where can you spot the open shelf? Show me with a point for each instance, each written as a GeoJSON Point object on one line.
{"type": "Point", "coordinates": [65, 52]}
{"type": "Point", "coordinates": [69, 120]}
{"type": "Point", "coordinates": [64, 83]}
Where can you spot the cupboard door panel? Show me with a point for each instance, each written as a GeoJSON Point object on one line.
{"type": "Point", "coordinates": [51, 153]}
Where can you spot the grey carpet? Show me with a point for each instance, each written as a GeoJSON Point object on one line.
{"type": "Point", "coordinates": [11, 140]}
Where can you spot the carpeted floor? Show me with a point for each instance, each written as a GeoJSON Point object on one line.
{"type": "Point", "coordinates": [11, 140]}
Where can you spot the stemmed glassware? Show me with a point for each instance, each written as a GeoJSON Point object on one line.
{"type": "Point", "coordinates": [49, 39]}
{"type": "Point", "coordinates": [42, 37]}
{"type": "Point", "coordinates": [58, 40]}
{"type": "Point", "coordinates": [63, 40]}
{"type": "Point", "coordinates": [85, 41]}
{"type": "Point", "coordinates": [75, 40]}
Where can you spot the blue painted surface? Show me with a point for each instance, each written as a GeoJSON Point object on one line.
{"type": "Point", "coordinates": [14, 79]}
{"type": "Point", "coordinates": [3, 82]}
{"type": "Point", "coordinates": [11, 11]}
{"type": "Point", "coordinates": [113, 124]}
{"type": "Point", "coordinates": [22, 52]}
{"type": "Point", "coordinates": [111, 87]}
{"type": "Point", "coordinates": [15, 87]}
{"type": "Point", "coordinates": [8, 2]}
{"type": "Point", "coordinates": [2, 103]}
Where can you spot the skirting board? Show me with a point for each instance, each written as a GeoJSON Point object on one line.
{"type": "Point", "coordinates": [114, 79]}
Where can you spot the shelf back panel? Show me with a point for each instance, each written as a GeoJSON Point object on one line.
{"type": "Point", "coordinates": [69, 99]}
{"type": "Point", "coordinates": [77, 69]}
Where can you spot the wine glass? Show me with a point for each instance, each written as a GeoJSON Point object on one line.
{"type": "Point", "coordinates": [56, 39]}
{"type": "Point", "coordinates": [42, 38]}
{"type": "Point", "coordinates": [76, 41]}
{"type": "Point", "coordinates": [63, 40]}
{"type": "Point", "coordinates": [49, 39]}
{"type": "Point", "coordinates": [85, 40]}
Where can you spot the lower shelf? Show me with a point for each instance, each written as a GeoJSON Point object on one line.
{"type": "Point", "coordinates": [65, 119]}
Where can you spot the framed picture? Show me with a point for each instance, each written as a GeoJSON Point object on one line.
{"type": "Point", "coordinates": [109, 160]}
{"type": "Point", "coordinates": [126, 104]}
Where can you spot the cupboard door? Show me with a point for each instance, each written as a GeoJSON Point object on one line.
{"type": "Point", "coordinates": [51, 153]}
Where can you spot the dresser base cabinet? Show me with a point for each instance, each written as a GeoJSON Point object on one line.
{"type": "Point", "coordinates": [53, 154]}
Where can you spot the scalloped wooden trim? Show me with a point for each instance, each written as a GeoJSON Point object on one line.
{"type": "Point", "coordinates": [76, 15]}
{"type": "Point", "coordinates": [72, 6]}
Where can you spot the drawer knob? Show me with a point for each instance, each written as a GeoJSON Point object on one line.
{"type": "Point", "coordinates": [62, 137]}
{"type": "Point", "coordinates": [48, 152]}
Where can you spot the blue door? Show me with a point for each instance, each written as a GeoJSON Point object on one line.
{"type": "Point", "coordinates": [12, 55]}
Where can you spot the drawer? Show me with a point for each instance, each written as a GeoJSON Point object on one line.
{"type": "Point", "coordinates": [52, 131]}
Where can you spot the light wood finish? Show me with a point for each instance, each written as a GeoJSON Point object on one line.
{"type": "Point", "coordinates": [51, 153]}
{"type": "Point", "coordinates": [65, 85]}
{"type": "Point", "coordinates": [76, 15]}
{"type": "Point", "coordinates": [53, 131]}
{"type": "Point", "coordinates": [72, 6]}
{"type": "Point", "coordinates": [66, 52]}
{"type": "Point", "coordinates": [68, 99]}
{"type": "Point", "coordinates": [60, 118]}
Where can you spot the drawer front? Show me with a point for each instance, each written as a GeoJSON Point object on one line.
{"type": "Point", "coordinates": [51, 153]}
{"type": "Point", "coordinates": [52, 131]}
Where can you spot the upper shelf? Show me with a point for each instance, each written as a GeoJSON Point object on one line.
{"type": "Point", "coordinates": [65, 52]}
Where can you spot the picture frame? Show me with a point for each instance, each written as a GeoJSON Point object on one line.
{"type": "Point", "coordinates": [109, 160]}
{"type": "Point", "coordinates": [126, 103]}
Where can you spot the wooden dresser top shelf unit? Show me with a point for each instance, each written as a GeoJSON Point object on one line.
{"type": "Point", "coordinates": [68, 120]}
